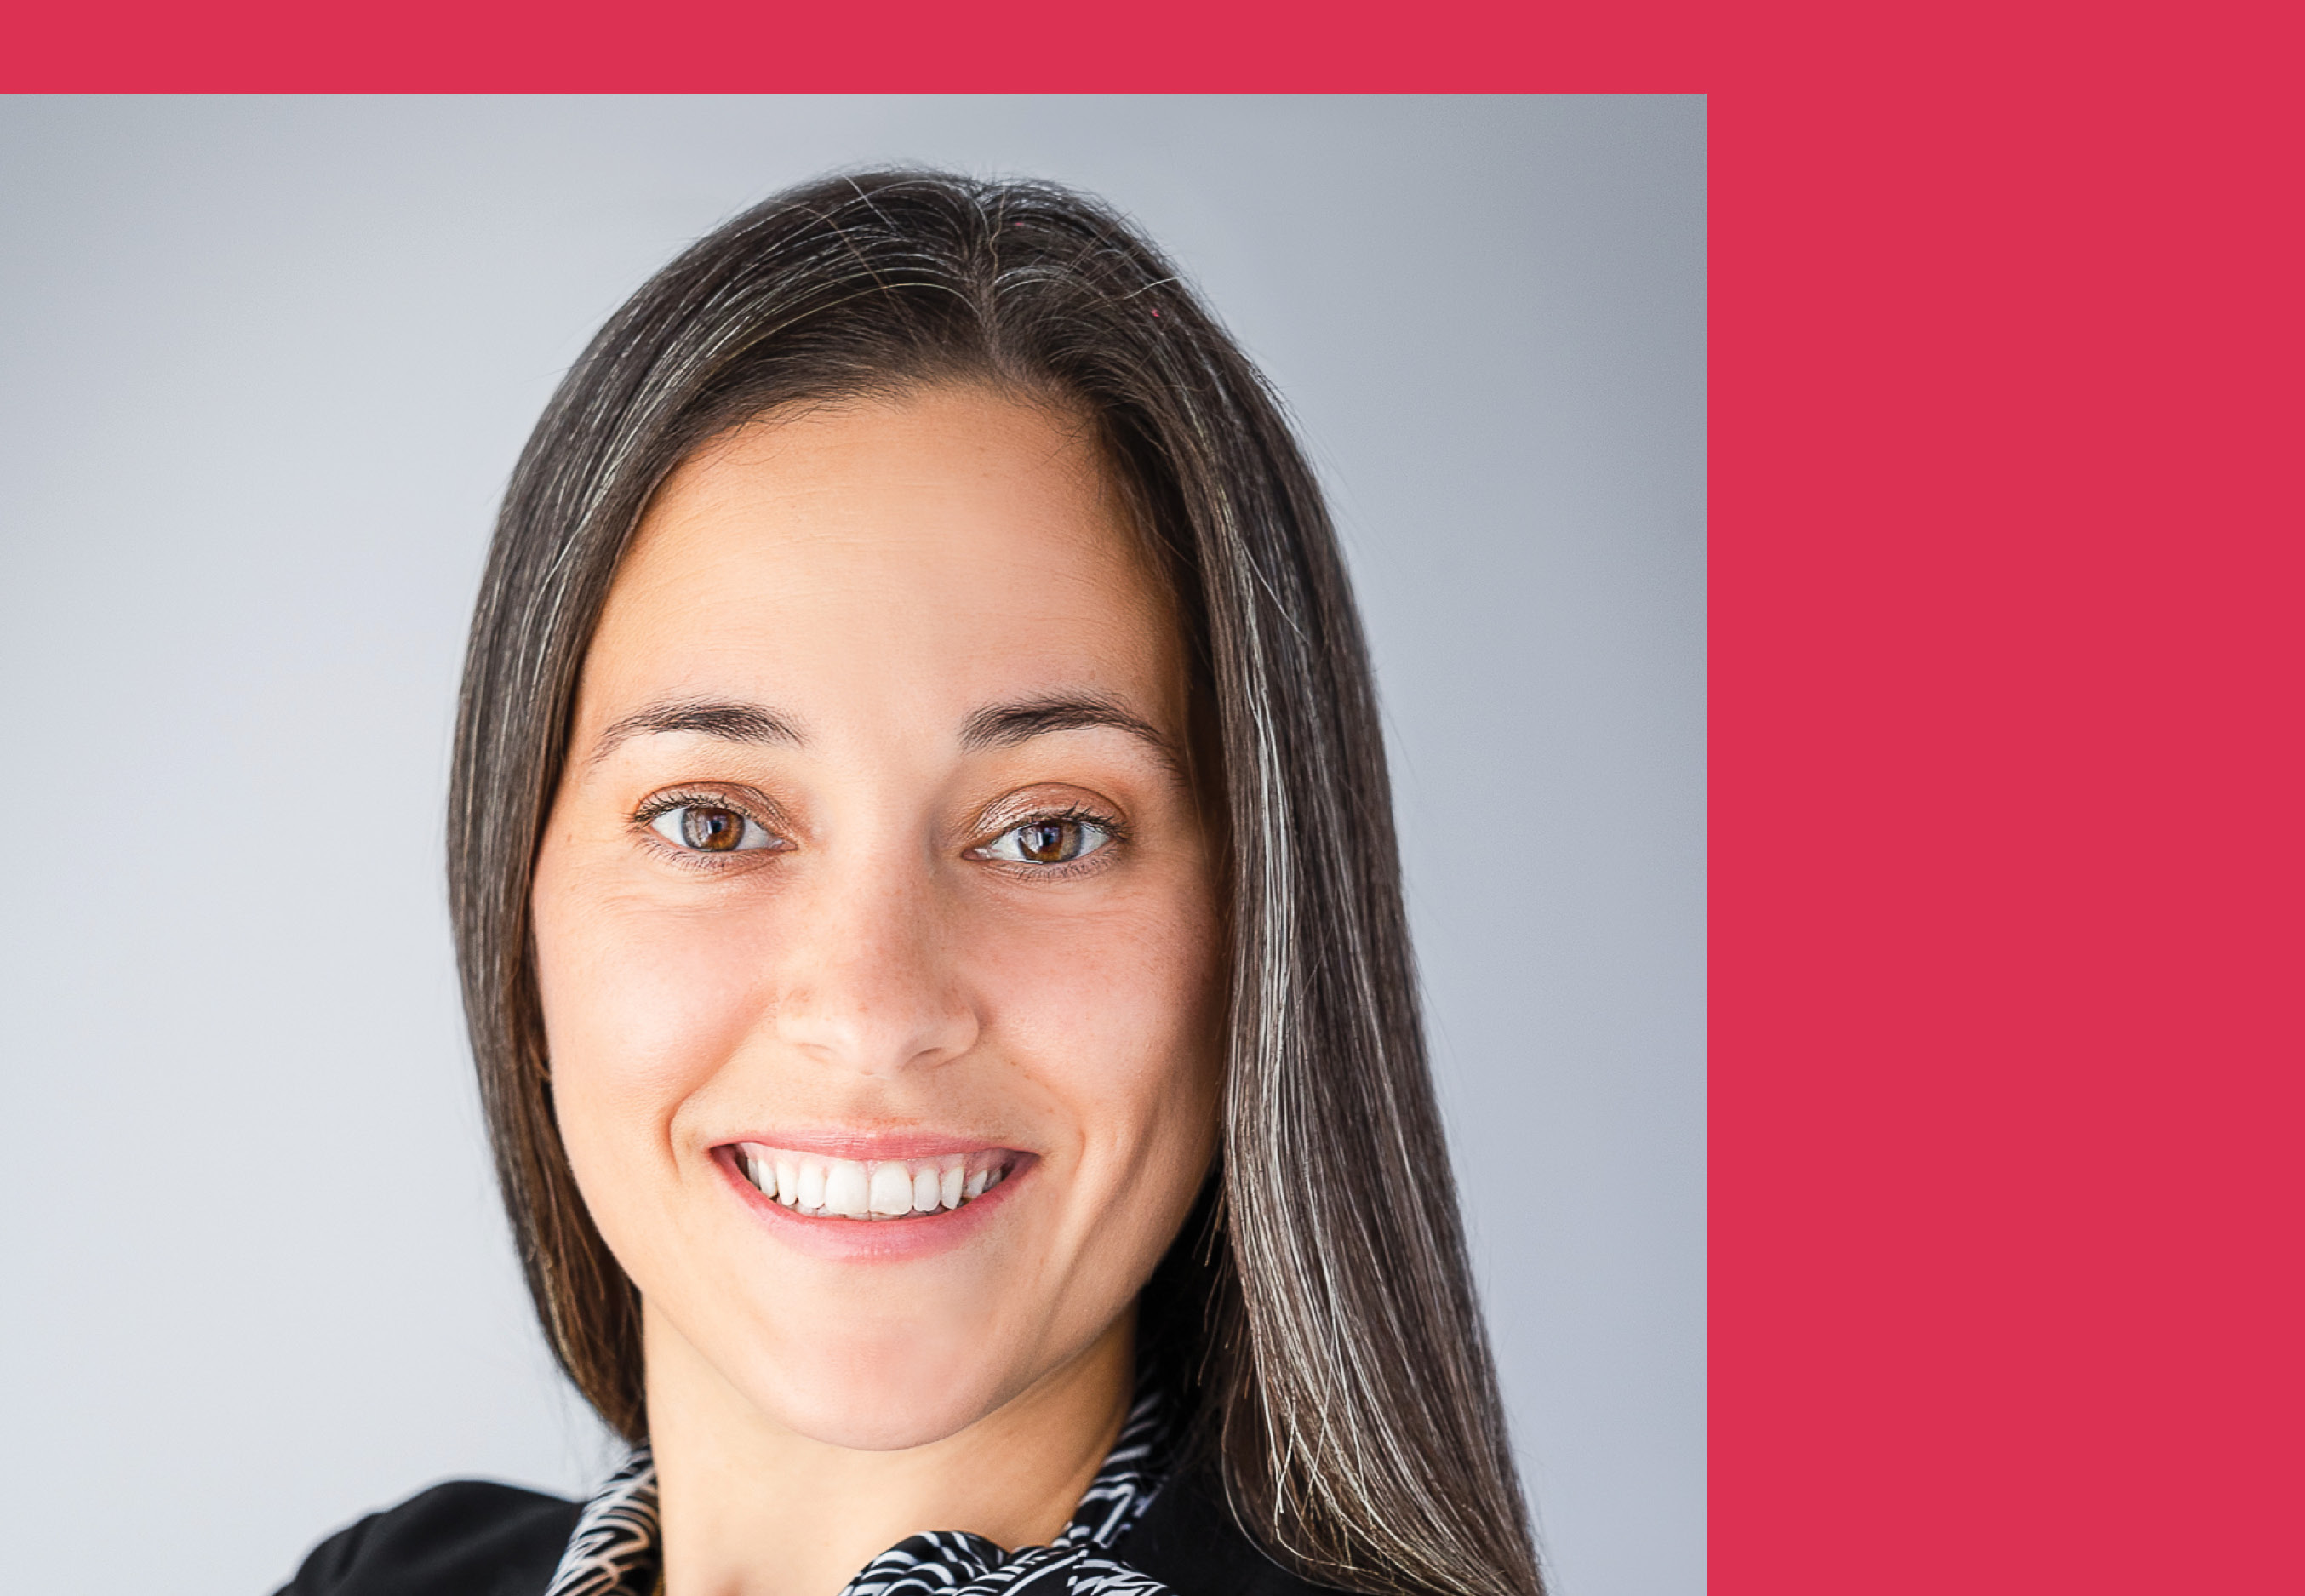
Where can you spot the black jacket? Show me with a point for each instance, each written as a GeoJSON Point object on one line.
{"type": "Point", "coordinates": [471, 1537]}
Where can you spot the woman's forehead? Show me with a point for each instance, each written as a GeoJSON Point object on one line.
{"type": "Point", "coordinates": [952, 544]}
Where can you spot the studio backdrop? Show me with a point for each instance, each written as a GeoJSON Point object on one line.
{"type": "Point", "coordinates": [266, 365]}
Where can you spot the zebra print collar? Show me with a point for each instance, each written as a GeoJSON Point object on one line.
{"type": "Point", "coordinates": [614, 1549]}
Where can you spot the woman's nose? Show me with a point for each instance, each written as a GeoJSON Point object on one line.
{"type": "Point", "coordinates": [867, 981]}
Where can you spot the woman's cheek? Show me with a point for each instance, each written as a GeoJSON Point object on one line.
{"type": "Point", "coordinates": [643, 1004]}
{"type": "Point", "coordinates": [1111, 1011]}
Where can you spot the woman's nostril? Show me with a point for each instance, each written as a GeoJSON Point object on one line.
{"type": "Point", "coordinates": [901, 1032]}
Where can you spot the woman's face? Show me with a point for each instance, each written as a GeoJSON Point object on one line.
{"type": "Point", "coordinates": [875, 918]}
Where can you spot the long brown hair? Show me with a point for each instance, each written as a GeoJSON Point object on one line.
{"type": "Point", "coordinates": [1319, 1307]}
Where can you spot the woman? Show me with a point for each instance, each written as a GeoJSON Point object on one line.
{"type": "Point", "coordinates": [931, 929]}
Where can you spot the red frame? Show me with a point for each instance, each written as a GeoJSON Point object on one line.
{"type": "Point", "coordinates": [2006, 777]}
{"type": "Point", "coordinates": [2005, 800]}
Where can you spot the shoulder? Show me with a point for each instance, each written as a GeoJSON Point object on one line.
{"type": "Point", "coordinates": [1189, 1540]}
{"type": "Point", "coordinates": [466, 1538]}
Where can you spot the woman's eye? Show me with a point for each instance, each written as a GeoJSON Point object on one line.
{"type": "Point", "coordinates": [708, 828]}
{"type": "Point", "coordinates": [1048, 842]}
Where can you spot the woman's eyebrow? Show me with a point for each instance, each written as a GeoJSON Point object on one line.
{"type": "Point", "coordinates": [1004, 726]}
{"type": "Point", "coordinates": [997, 726]}
{"type": "Point", "coordinates": [727, 720]}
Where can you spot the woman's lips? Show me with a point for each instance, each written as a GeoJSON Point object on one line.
{"type": "Point", "coordinates": [815, 1185]}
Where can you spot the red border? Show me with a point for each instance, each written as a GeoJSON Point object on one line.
{"type": "Point", "coordinates": [2006, 798]}
{"type": "Point", "coordinates": [896, 46]}
{"type": "Point", "coordinates": [2006, 782]}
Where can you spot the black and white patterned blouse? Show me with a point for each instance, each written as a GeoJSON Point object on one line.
{"type": "Point", "coordinates": [614, 1551]}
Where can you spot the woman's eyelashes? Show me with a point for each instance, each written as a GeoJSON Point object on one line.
{"type": "Point", "coordinates": [699, 827]}
{"type": "Point", "coordinates": [1050, 840]}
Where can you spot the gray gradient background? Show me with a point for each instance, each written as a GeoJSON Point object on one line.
{"type": "Point", "coordinates": [265, 366]}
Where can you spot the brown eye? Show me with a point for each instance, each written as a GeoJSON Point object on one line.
{"type": "Point", "coordinates": [1048, 842]}
{"type": "Point", "coordinates": [714, 830]}
{"type": "Point", "coordinates": [709, 828]}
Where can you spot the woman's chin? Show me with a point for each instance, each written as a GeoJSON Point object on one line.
{"type": "Point", "coordinates": [846, 1375]}
{"type": "Point", "coordinates": [889, 1406]}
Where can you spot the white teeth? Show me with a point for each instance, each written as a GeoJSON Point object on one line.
{"type": "Point", "coordinates": [892, 1191]}
{"type": "Point", "coordinates": [882, 1189]}
{"type": "Point", "coordinates": [847, 1191]}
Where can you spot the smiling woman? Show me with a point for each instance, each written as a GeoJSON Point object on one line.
{"type": "Point", "coordinates": [931, 934]}
{"type": "Point", "coordinates": [903, 890]}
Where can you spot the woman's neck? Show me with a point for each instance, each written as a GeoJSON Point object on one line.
{"type": "Point", "coordinates": [750, 1508]}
